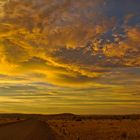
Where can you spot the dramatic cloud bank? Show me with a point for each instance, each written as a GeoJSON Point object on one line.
{"type": "Point", "coordinates": [68, 42]}
{"type": "Point", "coordinates": [76, 55]}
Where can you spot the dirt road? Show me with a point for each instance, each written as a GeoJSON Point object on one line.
{"type": "Point", "coordinates": [27, 130]}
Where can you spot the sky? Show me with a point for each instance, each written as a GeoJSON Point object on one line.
{"type": "Point", "coordinates": [68, 56]}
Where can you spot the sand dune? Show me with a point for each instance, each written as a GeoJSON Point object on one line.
{"type": "Point", "coordinates": [27, 130]}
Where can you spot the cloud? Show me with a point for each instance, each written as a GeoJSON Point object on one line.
{"type": "Point", "coordinates": [66, 43]}
{"type": "Point", "coordinates": [126, 51]}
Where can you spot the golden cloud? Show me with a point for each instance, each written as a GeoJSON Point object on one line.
{"type": "Point", "coordinates": [64, 41]}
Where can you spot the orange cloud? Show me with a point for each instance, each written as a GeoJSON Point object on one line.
{"type": "Point", "coordinates": [63, 41]}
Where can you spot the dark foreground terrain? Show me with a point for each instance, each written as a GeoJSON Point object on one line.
{"type": "Point", "coordinates": [69, 127]}
{"type": "Point", "coordinates": [27, 130]}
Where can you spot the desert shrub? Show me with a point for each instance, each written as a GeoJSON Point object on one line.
{"type": "Point", "coordinates": [64, 132]}
{"type": "Point", "coordinates": [78, 138]}
{"type": "Point", "coordinates": [78, 119]}
{"type": "Point", "coordinates": [18, 119]}
{"type": "Point", "coordinates": [124, 135]}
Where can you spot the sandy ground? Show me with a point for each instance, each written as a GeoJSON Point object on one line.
{"type": "Point", "coordinates": [69, 127]}
{"type": "Point", "coordinates": [27, 130]}
{"type": "Point", "coordinates": [126, 129]}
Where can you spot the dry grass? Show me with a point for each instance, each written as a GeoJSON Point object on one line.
{"type": "Point", "coordinates": [126, 129]}
{"type": "Point", "coordinates": [91, 127]}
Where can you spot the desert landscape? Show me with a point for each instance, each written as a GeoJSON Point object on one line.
{"type": "Point", "coordinates": [69, 69]}
{"type": "Point", "coordinates": [69, 127]}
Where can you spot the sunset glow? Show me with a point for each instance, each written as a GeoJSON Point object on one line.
{"type": "Point", "coordinates": [71, 56]}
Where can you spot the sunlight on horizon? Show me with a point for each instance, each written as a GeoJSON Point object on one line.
{"type": "Point", "coordinates": [70, 56]}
